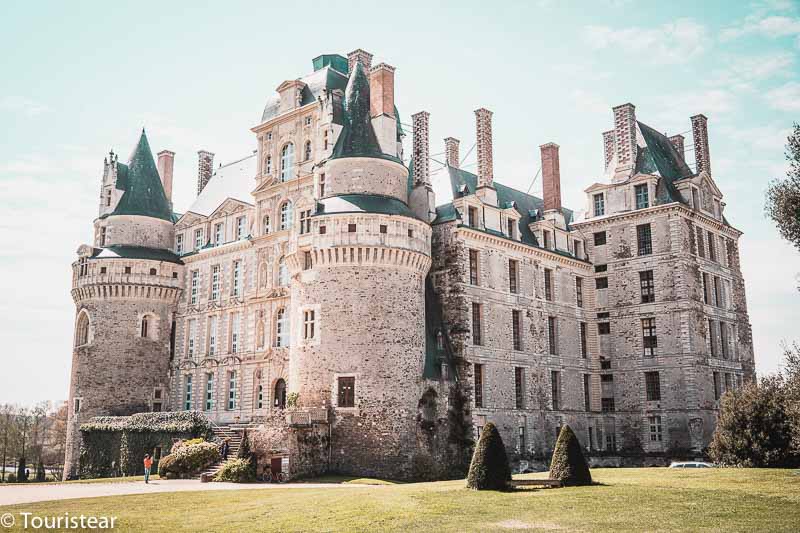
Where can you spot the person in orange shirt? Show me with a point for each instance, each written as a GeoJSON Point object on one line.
{"type": "Point", "coordinates": [148, 462]}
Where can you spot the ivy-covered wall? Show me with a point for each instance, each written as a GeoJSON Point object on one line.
{"type": "Point", "coordinates": [116, 445]}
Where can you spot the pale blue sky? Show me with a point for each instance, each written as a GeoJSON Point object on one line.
{"type": "Point", "coordinates": [79, 78]}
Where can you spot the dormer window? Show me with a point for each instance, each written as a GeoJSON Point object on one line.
{"type": "Point", "coordinates": [695, 199]}
{"type": "Point", "coordinates": [511, 227]}
{"type": "Point", "coordinates": [548, 244]}
{"type": "Point", "coordinates": [472, 217]}
{"type": "Point", "coordinates": [325, 139]}
{"type": "Point", "coordinates": [179, 243]}
{"type": "Point", "coordinates": [599, 205]}
{"type": "Point", "coordinates": [717, 209]}
{"type": "Point", "coordinates": [198, 239]}
{"type": "Point", "coordinates": [642, 198]}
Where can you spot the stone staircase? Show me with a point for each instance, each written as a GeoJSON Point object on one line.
{"type": "Point", "coordinates": [234, 442]}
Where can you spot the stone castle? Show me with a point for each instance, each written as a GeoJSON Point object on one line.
{"type": "Point", "coordinates": [322, 281]}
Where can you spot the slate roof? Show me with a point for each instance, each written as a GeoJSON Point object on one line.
{"type": "Point", "coordinates": [144, 194]}
{"type": "Point", "coordinates": [363, 203]}
{"type": "Point", "coordinates": [135, 252]}
{"type": "Point", "coordinates": [235, 180]}
{"type": "Point", "coordinates": [326, 78]}
{"type": "Point", "coordinates": [659, 157]}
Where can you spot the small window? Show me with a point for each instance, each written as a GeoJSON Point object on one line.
{"type": "Point", "coordinates": [384, 228]}
{"type": "Point", "coordinates": [322, 230]}
{"type": "Point", "coordinates": [478, 377]}
{"type": "Point", "coordinates": [472, 217]}
{"type": "Point", "coordinates": [179, 243]}
{"type": "Point", "coordinates": [265, 225]}
{"type": "Point", "coordinates": [307, 151]}
{"type": "Point", "coordinates": [307, 261]}
{"type": "Point", "coordinates": [552, 335]}
{"type": "Point", "coordinates": [411, 233]}
{"type": "Point", "coordinates": [76, 406]}
{"type": "Point", "coordinates": [103, 270]}
{"type": "Point", "coordinates": [309, 323]}
{"type": "Point", "coordinates": [513, 276]}
{"type": "Point", "coordinates": [601, 283]}
{"type": "Point", "coordinates": [269, 135]}
{"type": "Point", "coordinates": [476, 324]}
{"type": "Point", "coordinates": [305, 221]}
{"type": "Point", "coordinates": [174, 275]}
{"type": "Point", "coordinates": [604, 328]}
{"type": "Point", "coordinates": [605, 364]}
{"type": "Point", "coordinates": [647, 287]}
{"type": "Point", "coordinates": [600, 238]}
{"type": "Point", "coordinates": [603, 315]}
{"type": "Point", "coordinates": [145, 327]}
{"type": "Point", "coordinates": [516, 329]}
{"type": "Point", "coordinates": [351, 228]}
{"type": "Point", "coordinates": [152, 271]}
{"type": "Point", "coordinates": [599, 205]}
{"type": "Point", "coordinates": [347, 387]}
{"type": "Point", "coordinates": [127, 270]}
{"type": "Point", "coordinates": [307, 122]}
{"type": "Point", "coordinates": [555, 383]}
{"type": "Point", "coordinates": [642, 199]}
{"type": "Point", "coordinates": [601, 268]}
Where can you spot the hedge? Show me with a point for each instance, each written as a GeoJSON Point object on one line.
{"type": "Point", "coordinates": [188, 460]}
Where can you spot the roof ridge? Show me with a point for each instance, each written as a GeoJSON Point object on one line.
{"type": "Point", "coordinates": [226, 165]}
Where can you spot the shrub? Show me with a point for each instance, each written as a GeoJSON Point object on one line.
{"type": "Point", "coordinates": [489, 469]}
{"type": "Point", "coordinates": [237, 471]}
{"type": "Point", "coordinates": [40, 474]}
{"type": "Point", "coordinates": [12, 478]}
{"type": "Point", "coordinates": [246, 453]}
{"type": "Point", "coordinates": [180, 443]}
{"type": "Point", "coordinates": [188, 460]}
{"type": "Point", "coordinates": [568, 464]}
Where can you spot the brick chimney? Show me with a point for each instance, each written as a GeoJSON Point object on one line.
{"type": "Point", "coordinates": [700, 134]}
{"type": "Point", "coordinates": [625, 136]}
{"type": "Point", "coordinates": [678, 143]}
{"type": "Point", "coordinates": [608, 146]}
{"type": "Point", "coordinates": [483, 128]}
{"type": "Point", "coordinates": [205, 167]}
{"type": "Point", "coordinates": [363, 57]}
{"type": "Point", "coordinates": [451, 151]}
{"type": "Point", "coordinates": [166, 164]}
{"type": "Point", "coordinates": [551, 176]}
{"type": "Point", "coordinates": [421, 147]}
{"type": "Point", "coordinates": [381, 90]}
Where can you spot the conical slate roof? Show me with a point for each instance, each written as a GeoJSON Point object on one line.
{"type": "Point", "coordinates": [357, 138]}
{"type": "Point", "coordinates": [144, 194]}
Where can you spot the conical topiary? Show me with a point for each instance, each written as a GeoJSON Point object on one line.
{"type": "Point", "coordinates": [489, 469]}
{"type": "Point", "coordinates": [568, 464]}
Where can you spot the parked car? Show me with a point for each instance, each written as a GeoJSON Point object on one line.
{"type": "Point", "coordinates": [691, 464]}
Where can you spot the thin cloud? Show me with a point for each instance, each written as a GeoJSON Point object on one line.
{"type": "Point", "coordinates": [784, 98]}
{"type": "Point", "coordinates": [671, 43]}
{"type": "Point", "coordinates": [23, 105]}
{"type": "Point", "coordinates": [743, 73]}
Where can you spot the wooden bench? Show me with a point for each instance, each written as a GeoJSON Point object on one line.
{"type": "Point", "coordinates": [546, 483]}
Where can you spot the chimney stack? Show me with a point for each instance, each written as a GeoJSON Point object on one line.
{"type": "Point", "coordinates": [205, 167]}
{"type": "Point", "coordinates": [451, 151]}
{"type": "Point", "coordinates": [363, 57]}
{"type": "Point", "coordinates": [421, 148]}
{"type": "Point", "coordinates": [700, 134]}
{"type": "Point", "coordinates": [608, 146]}
{"type": "Point", "coordinates": [678, 143]}
{"type": "Point", "coordinates": [551, 176]}
{"type": "Point", "coordinates": [381, 90]}
{"type": "Point", "coordinates": [483, 126]}
{"type": "Point", "coordinates": [625, 136]}
{"type": "Point", "coordinates": [166, 164]}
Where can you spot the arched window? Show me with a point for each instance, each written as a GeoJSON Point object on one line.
{"type": "Point", "coordinates": [145, 327]}
{"type": "Point", "coordinates": [280, 394]}
{"type": "Point", "coordinates": [265, 227]}
{"type": "Point", "coordinates": [287, 216]}
{"type": "Point", "coordinates": [82, 329]}
{"type": "Point", "coordinates": [268, 165]}
{"type": "Point", "coordinates": [283, 273]}
{"type": "Point", "coordinates": [307, 151]}
{"type": "Point", "coordinates": [287, 162]}
{"type": "Point", "coordinates": [260, 396]}
{"type": "Point", "coordinates": [282, 328]}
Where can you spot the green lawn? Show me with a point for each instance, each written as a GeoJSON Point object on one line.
{"type": "Point", "coordinates": [655, 499]}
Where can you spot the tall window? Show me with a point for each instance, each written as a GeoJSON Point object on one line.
{"type": "Point", "coordinates": [308, 324]}
{"type": "Point", "coordinates": [519, 387]}
{"type": "Point", "coordinates": [260, 396]}
{"type": "Point", "coordinates": [473, 267]}
{"type": "Point", "coordinates": [647, 286]}
{"type": "Point", "coordinates": [281, 328]}
{"type": "Point", "coordinates": [347, 392]}
{"type": "Point", "coordinates": [307, 151]}
{"type": "Point", "coordinates": [265, 225]}
{"type": "Point", "coordinates": [551, 335]}
{"type": "Point", "coordinates": [607, 393]}
{"type": "Point", "coordinates": [234, 332]}
{"type": "Point", "coordinates": [578, 248]}
{"type": "Point", "coordinates": [706, 289]}
{"type": "Point", "coordinates": [179, 243]}
{"type": "Point", "coordinates": [209, 403]}
{"type": "Point", "coordinates": [642, 199]}
{"type": "Point", "coordinates": [521, 435]}
{"type": "Point", "coordinates": [548, 284]}
{"type": "Point", "coordinates": [717, 386]}
{"type": "Point", "coordinates": [280, 394]}
{"type": "Point", "coordinates": [322, 184]}
{"type": "Point", "coordinates": [325, 139]}
{"type": "Point", "coordinates": [82, 330]}
{"type": "Point", "coordinates": [579, 291]}
{"type": "Point", "coordinates": [644, 239]}
{"type": "Point", "coordinates": [652, 384]}
{"type": "Point", "coordinates": [516, 329]}
{"type": "Point", "coordinates": [649, 339]}
{"type": "Point", "coordinates": [476, 324]}
{"type": "Point", "coordinates": [695, 199]}
{"type": "Point", "coordinates": [712, 250]}
{"type": "Point", "coordinates": [583, 339]}
{"type": "Point", "coordinates": [236, 285]}
{"type": "Point", "coordinates": [194, 286]}
{"type": "Point", "coordinates": [478, 371]}
{"type": "Point", "coordinates": [219, 238]}
{"type": "Point", "coordinates": [723, 339]}
{"type": "Point", "coordinates": [308, 263]}
{"type": "Point", "coordinates": [212, 335]}
{"type": "Point", "coordinates": [472, 217]}
{"type": "Point", "coordinates": [555, 389]}
{"type": "Point", "coordinates": [144, 331]}
{"type": "Point", "coordinates": [548, 242]}
{"type": "Point", "coordinates": [717, 292]}
{"type": "Point", "coordinates": [286, 216]}
{"type": "Point", "coordinates": [215, 275]}
{"type": "Point", "coordinates": [103, 236]}
{"type": "Point", "coordinates": [510, 225]}
{"type": "Point", "coordinates": [712, 333]}
{"type": "Point", "coordinates": [191, 337]}
{"type": "Point", "coordinates": [587, 399]}
{"type": "Point", "coordinates": [198, 239]}
{"type": "Point", "coordinates": [268, 165]}
{"type": "Point", "coordinates": [305, 221]}
{"type": "Point", "coordinates": [599, 205]}
{"type": "Point", "coordinates": [231, 390]}
{"type": "Point", "coordinates": [287, 162]}
{"type": "Point", "coordinates": [283, 273]}
{"type": "Point", "coordinates": [655, 428]}
{"type": "Point", "coordinates": [241, 228]}
{"type": "Point", "coordinates": [701, 247]}
{"type": "Point", "coordinates": [513, 281]}
{"type": "Point", "coordinates": [188, 398]}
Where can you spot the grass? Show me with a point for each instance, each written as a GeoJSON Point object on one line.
{"type": "Point", "coordinates": [654, 499]}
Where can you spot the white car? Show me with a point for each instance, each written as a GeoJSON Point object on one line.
{"type": "Point", "coordinates": [691, 464]}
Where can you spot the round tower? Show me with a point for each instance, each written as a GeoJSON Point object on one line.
{"type": "Point", "coordinates": [126, 288]}
{"type": "Point", "coordinates": [358, 301]}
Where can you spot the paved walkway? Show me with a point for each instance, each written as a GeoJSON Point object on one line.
{"type": "Point", "coordinates": [11, 494]}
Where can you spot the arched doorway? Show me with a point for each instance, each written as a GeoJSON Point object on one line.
{"type": "Point", "coordinates": [280, 394]}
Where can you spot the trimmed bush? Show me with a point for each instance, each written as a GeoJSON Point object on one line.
{"type": "Point", "coordinates": [188, 460]}
{"type": "Point", "coordinates": [568, 465]}
{"type": "Point", "coordinates": [489, 469]}
{"type": "Point", "coordinates": [237, 471]}
{"type": "Point", "coordinates": [165, 465]}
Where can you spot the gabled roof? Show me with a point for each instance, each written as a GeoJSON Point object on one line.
{"type": "Point", "coordinates": [659, 157]}
{"type": "Point", "coordinates": [235, 180]}
{"type": "Point", "coordinates": [144, 194]}
{"type": "Point", "coordinates": [326, 78]}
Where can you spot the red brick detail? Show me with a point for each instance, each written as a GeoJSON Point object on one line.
{"type": "Point", "coordinates": [551, 176]}
{"type": "Point", "coordinates": [381, 90]}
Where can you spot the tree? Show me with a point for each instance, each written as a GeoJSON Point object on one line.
{"type": "Point", "coordinates": [791, 354]}
{"type": "Point", "coordinates": [489, 469]}
{"type": "Point", "coordinates": [783, 196]}
{"type": "Point", "coordinates": [40, 473]}
{"type": "Point", "coordinates": [247, 454]}
{"type": "Point", "coordinates": [568, 464]}
{"type": "Point", "coordinates": [753, 428]}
